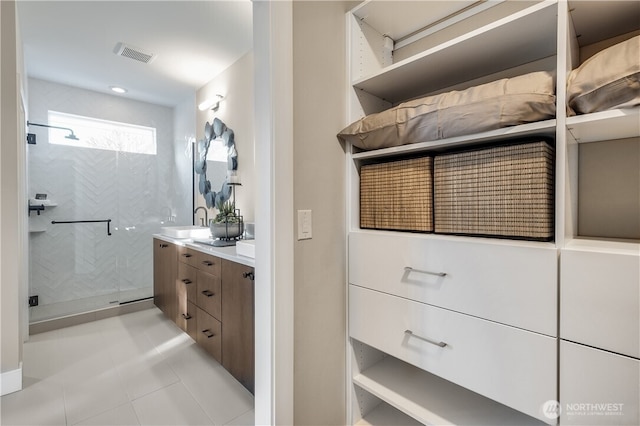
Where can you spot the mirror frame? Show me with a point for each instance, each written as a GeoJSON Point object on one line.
{"type": "Point", "coordinates": [213, 131]}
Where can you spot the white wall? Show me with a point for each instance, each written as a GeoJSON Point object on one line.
{"type": "Point", "coordinates": [12, 202]}
{"type": "Point", "coordinates": [236, 111]}
{"type": "Point", "coordinates": [299, 50]}
{"type": "Point", "coordinates": [272, 44]}
{"type": "Point", "coordinates": [319, 82]}
{"type": "Point", "coordinates": [184, 130]}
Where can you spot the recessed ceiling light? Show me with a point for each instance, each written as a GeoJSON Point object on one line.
{"type": "Point", "coordinates": [118, 89]}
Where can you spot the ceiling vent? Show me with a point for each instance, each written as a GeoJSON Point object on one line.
{"type": "Point", "coordinates": [132, 52]}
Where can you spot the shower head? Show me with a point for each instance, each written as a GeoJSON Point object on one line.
{"type": "Point", "coordinates": [71, 136]}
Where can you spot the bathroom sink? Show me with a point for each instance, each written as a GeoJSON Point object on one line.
{"type": "Point", "coordinates": [246, 248]}
{"type": "Point", "coordinates": [190, 231]}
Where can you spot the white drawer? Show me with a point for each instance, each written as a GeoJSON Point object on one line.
{"type": "Point", "coordinates": [515, 367]}
{"type": "Point", "coordinates": [598, 387]}
{"type": "Point", "coordinates": [512, 284]}
{"type": "Point", "coordinates": [600, 300]}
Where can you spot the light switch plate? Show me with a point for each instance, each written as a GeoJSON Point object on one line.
{"type": "Point", "coordinates": [304, 225]}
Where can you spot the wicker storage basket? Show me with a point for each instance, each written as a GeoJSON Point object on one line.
{"type": "Point", "coordinates": [503, 191]}
{"type": "Point", "coordinates": [397, 195]}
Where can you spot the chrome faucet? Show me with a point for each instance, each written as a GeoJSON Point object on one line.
{"type": "Point", "coordinates": [206, 216]}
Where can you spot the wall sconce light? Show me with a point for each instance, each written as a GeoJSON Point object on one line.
{"type": "Point", "coordinates": [213, 103]}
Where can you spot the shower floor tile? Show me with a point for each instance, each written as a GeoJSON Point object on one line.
{"type": "Point", "coordinates": [137, 368]}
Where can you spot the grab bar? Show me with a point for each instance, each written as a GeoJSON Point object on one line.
{"type": "Point", "coordinates": [86, 221]}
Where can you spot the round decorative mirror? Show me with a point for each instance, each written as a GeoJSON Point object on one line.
{"type": "Point", "coordinates": [216, 163]}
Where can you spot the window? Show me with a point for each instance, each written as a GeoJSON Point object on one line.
{"type": "Point", "coordinates": [102, 134]}
{"type": "Point", "coordinates": [217, 151]}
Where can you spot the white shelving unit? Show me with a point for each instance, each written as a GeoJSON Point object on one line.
{"type": "Point", "coordinates": [599, 327]}
{"type": "Point", "coordinates": [441, 46]}
{"type": "Point", "coordinates": [431, 400]}
{"type": "Point", "coordinates": [604, 125]}
{"type": "Point", "coordinates": [491, 49]}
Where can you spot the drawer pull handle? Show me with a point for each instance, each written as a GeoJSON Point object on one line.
{"type": "Point", "coordinates": [208, 333]}
{"type": "Point", "coordinates": [163, 246]}
{"type": "Point", "coordinates": [433, 342]}
{"type": "Point", "coordinates": [249, 275]}
{"type": "Point", "coordinates": [186, 255]}
{"type": "Point", "coordinates": [207, 263]}
{"type": "Point", "coordinates": [438, 274]}
{"type": "Point", "coordinates": [207, 293]}
{"type": "Point", "coordinates": [186, 281]}
{"type": "Point", "coordinates": [186, 316]}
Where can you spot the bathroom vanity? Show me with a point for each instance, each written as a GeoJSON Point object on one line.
{"type": "Point", "coordinates": [209, 293]}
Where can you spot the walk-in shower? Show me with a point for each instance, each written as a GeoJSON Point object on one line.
{"type": "Point", "coordinates": [102, 196]}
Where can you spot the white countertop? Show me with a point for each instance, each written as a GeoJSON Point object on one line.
{"type": "Point", "coordinates": [228, 253]}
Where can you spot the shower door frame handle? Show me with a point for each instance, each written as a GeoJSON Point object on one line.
{"type": "Point", "coordinates": [54, 222]}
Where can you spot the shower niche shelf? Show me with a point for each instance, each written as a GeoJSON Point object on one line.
{"type": "Point", "coordinates": [38, 206]}
{"type": "Point", "coordinates": [36, 222]}
{"type": "Point", "coordinates": [46, 203]}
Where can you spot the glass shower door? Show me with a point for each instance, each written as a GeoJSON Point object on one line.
{"type": "Point", "coordinates": [73, 259]}
{"type": "Point", "coordinates": [90, 249]}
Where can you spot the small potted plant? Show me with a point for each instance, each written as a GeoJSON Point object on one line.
{"type": "Point", "coordinates": [227, 224]}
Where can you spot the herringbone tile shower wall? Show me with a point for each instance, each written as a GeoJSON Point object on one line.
{"type": "Point", "coordinates": [136, 191]}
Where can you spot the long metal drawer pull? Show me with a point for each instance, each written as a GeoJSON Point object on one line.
{"type": "Point", "coordinates": [433, 342]}
{"type": "Point", "coordinates": [186, 316]}
{"type": "Point", "coordinates": [438, 274]}
{"type": "Point", "coordinates": [164, 245]}
{"type": "Point", "coordinates": [186, 281]}
{"type": "Point", "coordinates": [207, 293]}
{"type": "Point", "coordinates": [186, 255]}
{"type": "Point", "coordinates": [208, 333]}
{"type": "Point", "coordinates": [208, 263]}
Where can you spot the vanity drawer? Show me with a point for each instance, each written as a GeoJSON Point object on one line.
{"type": "Point", "coordinates": [515, 367]}
{"type": "Point", "coordinates": [512, 284]}
{"type": "Point", "coordinates": [600, 300]}
{"type": "Point", "coordinates": [187, 317]}
{"type": "Point", "coordinates": [186, 282]}
{"type": "Point", "coordinates": [598, 387]}
{"type": "Point", "coordinates": [208, 295]}
{"type": "Point", "coordinates": [209, 334]}
{"type": "Point", "coordinates": [188, 256]}
{"type": "Point", "coordinates": [208, 263]}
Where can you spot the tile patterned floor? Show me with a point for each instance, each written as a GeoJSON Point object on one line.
{"type": "Point", "coordinates": [134, 369]}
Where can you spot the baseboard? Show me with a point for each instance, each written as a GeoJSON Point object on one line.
{"type": "Point", "coordinates": [11, 381]}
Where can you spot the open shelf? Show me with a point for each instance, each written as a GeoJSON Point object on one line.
{"type": "Point", "coordinates": [487, 50]}
{"type": "Point", "coordinates": [385, 415]}
{"type": "Point", "coordinates": [546, 128]}
{"type": "Point", "coordinates": [614, 246]}
{"type": "Point", "coordinates": [46, 203]}
{"type": "Point", "coordinates": [432, 400]}
{"type": "Point", "coordinates": [605, 125]}
{"type": "Point", "coordinates": [398, 22]}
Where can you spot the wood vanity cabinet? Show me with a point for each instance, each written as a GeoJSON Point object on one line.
{"type": "Point", "coordinates": [164, 275]}
{"type": "Point", "coordinates": [212, 300]}
{"type": "Point", "coordinates": [237, 322]}
{"type": "Point", "coordinates": [185, 284]}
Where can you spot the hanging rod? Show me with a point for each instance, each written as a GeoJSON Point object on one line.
{"type": "Point", "coordinates": [86, 221]}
